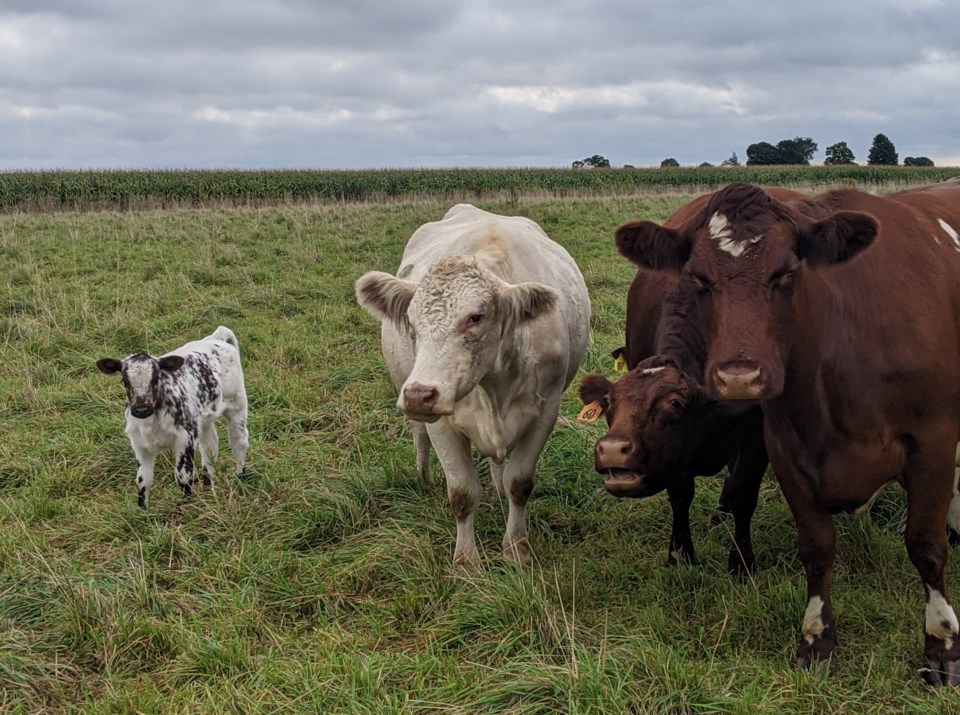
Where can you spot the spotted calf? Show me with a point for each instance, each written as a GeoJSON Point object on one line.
{"type": "Point", "coordinates": [173, 402]}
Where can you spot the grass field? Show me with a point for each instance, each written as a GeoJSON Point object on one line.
{"type": "Point", "coordinates": [321, 581]}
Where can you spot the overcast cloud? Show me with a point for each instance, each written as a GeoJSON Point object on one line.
{"type": "Point", "coordinates": [433, 83]}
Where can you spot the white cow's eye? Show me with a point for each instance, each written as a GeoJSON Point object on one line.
{"type": "Point", "coordinates": [475, 319]}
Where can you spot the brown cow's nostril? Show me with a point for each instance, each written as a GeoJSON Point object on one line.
{"type": "Point", "coordinates": [739, 381]}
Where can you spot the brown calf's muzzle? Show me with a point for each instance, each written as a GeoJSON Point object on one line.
{"type": "Point", "coordinates": [611, 458]}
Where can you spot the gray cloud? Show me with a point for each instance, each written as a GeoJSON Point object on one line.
{"type": "Point", "coordinates": [112, 83]}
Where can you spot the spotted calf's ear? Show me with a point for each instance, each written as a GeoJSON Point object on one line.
{"type": "Point", "coordinates": [385, 297]}
{"type": "Point", "coordinates": [171, 363]}
{"type": "Point", "coordinates": [836, 239]}
{"type": "Point", "coordinates": [109, 366]}
{"type": "Point", "coordinates": [650, 245]}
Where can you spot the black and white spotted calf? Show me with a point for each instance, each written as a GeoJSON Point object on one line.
{"type": "Point", "coordinates": [173, 402]}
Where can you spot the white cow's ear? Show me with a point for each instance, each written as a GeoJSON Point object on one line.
{"type": "Point", "coordinates": [526, 301]}
{"type": "Point", "coordinates": [385, 297]}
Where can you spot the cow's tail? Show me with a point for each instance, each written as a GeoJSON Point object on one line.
{"type": "Point", "coordinates": [226, 335]}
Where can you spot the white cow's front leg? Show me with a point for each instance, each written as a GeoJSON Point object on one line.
{"type": "Point", "coordinates": [953, 513]}
{"type": "Point", "coordinates": [463, 487]}
{"type": "Point", "coordinates": [518, 478]}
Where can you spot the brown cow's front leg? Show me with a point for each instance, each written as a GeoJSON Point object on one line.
{"type": "Point", "coordinates": [926, 540]}
{"type": "Point", "coordinates": [816, 549]}
{"type": "Point", "coordinates": [680, 495]}
{"type": "Point", "coordinates": [740, 492]}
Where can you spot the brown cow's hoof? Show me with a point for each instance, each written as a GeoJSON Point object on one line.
{"type": "Point", "coordinates": [942, 673]}
{"type": "Point", "coordinates": [741, 565]}
{"type": "Point", "coordinates": [815, 655]}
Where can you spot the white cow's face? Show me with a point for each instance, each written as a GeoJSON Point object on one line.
{"type": "Point", "coordinates": [457, 317]}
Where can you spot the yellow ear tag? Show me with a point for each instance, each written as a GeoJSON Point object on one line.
{"type": "Point", "coordinates": [620, 364]}
{"type": "Point", "coordinates": [590, 413]}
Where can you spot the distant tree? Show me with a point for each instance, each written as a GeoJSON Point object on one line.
{"type": "Point", "coordinates": [882, 152]}
{"type": "Point", "coordinates": [732, 161]}
{"type": "Point", "coordinates": [799, 150]}
{"type": "Point", "coordinates": [670, 163]}
{"type": "Point", "coordinates": [839, 153]}
{"type": "Point", "coordinates": [762, 153]}
{"type": "Point", "coordinates": [917, 161]}
{"type": "Point", "coordinates": [705, 165]}
{"type": "Point", "coordinates": [594, 162]}
{"type": "Point", "coordinates": [629, 166]}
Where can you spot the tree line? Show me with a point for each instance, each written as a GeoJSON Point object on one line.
{"type": "Point", "coordinates": [799, 150]}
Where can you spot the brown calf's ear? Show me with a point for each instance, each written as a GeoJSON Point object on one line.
{"type": "Point", "coordinates": [595, 388]}
{"type": "Point", "coordinates": [837, 239]}
{"type": "Point", "coordinates": [650, 245]}
{"type": "Point", "coordinates": [171, 363]}
{"type": "Point", "coordinates": [109, 366]}
{"type": "Point", "coordinates": [385, 297]}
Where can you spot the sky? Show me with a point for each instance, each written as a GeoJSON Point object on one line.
{"type": "Point", "coordinates": [127, 84]}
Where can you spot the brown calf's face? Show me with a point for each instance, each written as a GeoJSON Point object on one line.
{"type": "Point", "coordinates": [141, 378]}
{"type": "Point", "coordinates": [744, 258]}
{"type": "Point", "coordinates": [649, 414]}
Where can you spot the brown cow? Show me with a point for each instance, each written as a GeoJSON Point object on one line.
{"type": "Point", "coordinates": [853, 354]}
{"type": "Point", "coordinates": [662, 431]}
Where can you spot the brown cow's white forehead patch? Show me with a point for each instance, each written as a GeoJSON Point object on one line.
{"type": "Point", "coordinates": [652, 370]}
{"type": "Point", "coordinates": [721, 232]}
{"type": "Point", "coordinates": [951, 232]}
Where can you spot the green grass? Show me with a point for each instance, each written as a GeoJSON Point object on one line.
{"type": "Point", "coordinates": [321, 581]}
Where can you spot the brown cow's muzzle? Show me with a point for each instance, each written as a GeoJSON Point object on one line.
{"type": "Point", "coordinates": [420, 402]}
{"type": "Point", "coordinates": [739, 381]}
{"type": "Point", "coordinates": [610, 458]}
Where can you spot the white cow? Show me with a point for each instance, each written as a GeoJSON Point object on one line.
{"type": "Point", "coordinates": [483, 328]}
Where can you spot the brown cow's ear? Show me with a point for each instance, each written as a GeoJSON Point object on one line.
{"type": "Point", "coordinates": [650, 245]}
{"type": "Point", "coordinates": [385, 297]}
{"type": "Point", "coordinates": [595, 388]}
{"type": "Point", "coordinates": [171, 363]}
{"type": "Point", "coordinates": [837, 239]}
{"type": "Point", "coordinates": [109, 366]}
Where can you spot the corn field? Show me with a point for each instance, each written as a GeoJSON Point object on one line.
{"type": "Point", "coordinates": [32, 191]}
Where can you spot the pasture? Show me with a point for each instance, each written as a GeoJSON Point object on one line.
{"type": "Point", "coordinates": [321, 580]}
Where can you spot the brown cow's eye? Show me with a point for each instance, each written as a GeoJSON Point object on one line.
{"type": "Point", "coordinates": [676, 404]}
{"type": "Point", "coordinates": [701, 284]}
{"type": "Point", "coordinates": [782, 280]}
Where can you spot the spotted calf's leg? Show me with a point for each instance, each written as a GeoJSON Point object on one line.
{"type": "Point", "coordinates": [680, 495]}
{"type": "Point", "coordinates": [145, 463]}
{"type": "Point", "coordinates": [463, 488]}
{"type": "Point", "coordinates": [183, 465]}
{"type": "Point", "coordinates": [238, 436]}
{"type": "Point", "coordinates": [209, 451]}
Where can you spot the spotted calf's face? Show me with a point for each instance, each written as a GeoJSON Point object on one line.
{"type": "Point", "coordinates": [457, 317]}
{"type": "Point", "coordinates": [650, 412]}
{"type": "Point", "coordinates": [141, 378]}
{"type": "Point", "coordinates": [744, 258]}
